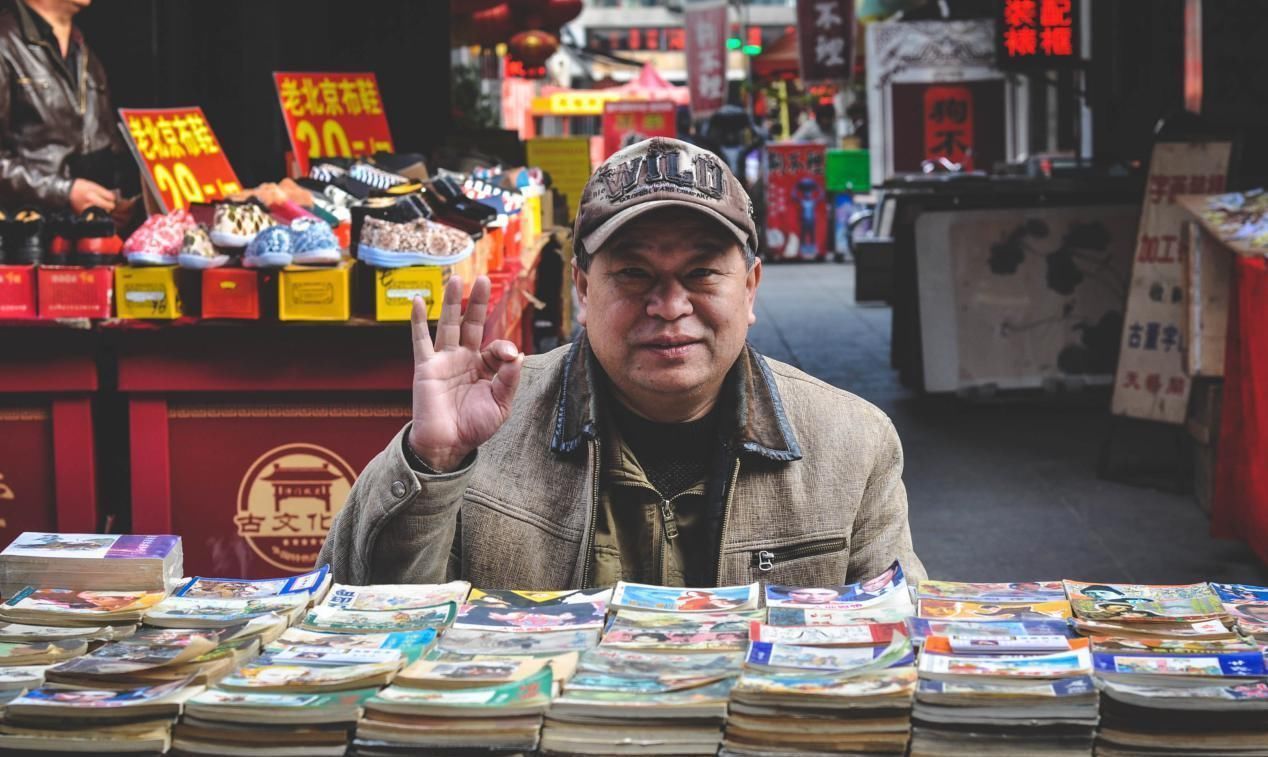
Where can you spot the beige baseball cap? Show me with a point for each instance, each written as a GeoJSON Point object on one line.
{"type": "Point", "coordinates": [656, 173]}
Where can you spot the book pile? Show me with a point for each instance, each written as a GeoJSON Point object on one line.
{"type": "Point", "coordinates": [96, 721]}
{"type": "Point", "coordinates": [839, 681]}
{"type": "Point", "coordinates": [486, 692]}
{"type": "Point", "coordinates": [1247, 608]}
{"type": "Point", "coordinates": [997, 675]}
{"type": "Point", "coordinates": [659, 680]}
{"type": "Point", "coordinates": [305, 691]}
{"type": "Point", "coordinates": [91, 562]}
{"type": "Point", "coordinates": [1172, 693]}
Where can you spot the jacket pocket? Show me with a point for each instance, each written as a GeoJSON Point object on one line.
{"type": "Point", "coordinates": [767, 560]}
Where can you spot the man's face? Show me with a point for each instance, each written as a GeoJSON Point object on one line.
{"type": "Point", "coordinates": [667, 304]}
{"type": "Point", "coordinates": [812, 596]}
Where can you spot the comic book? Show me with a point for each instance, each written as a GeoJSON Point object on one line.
{"type": "Point", "coordinates": [921, 628]}
{"type": "Point", "coordinates": [152, 701]}
{"type": "Point", "coordinates": [471, 674]}
{"type": "Point", "coordinates": [464, 642]}
{"type": "Point", "coordinates": [979, 645]}
{"type": "Point", "coordinates": [411, 644]}
{"type": "Point", "coordinates": [266, 708]}
{"type": "Point", "coordinates": [953, 609]}
{"type": "Point", "coordinates": [530, 696]}
{"type": "Point", "coordinates": [1209, 630]}
{"type": "Point", "coordinates": [1058, 665]}
{"type": "Point", "coordinates": [802, 616]}
{"type": "Point", "coordinates": [118, 658]}
{"type": "Point", "coordinates": [22, 677]}
{"type": "Point", "coordinates": [1238, 664]}
{"type": "Point", "coordinates": [98, 562]}
{"type": "Point", "coordinates": [708, 700]}
{"type": "Point", "coordinates": [396, 596]}
{"type": "Point", "coordinates": [263, 675]}
{"type": "Point", "coordinates": [1168, 646]}
{"type": "Point", "coordinates": [765, 654]}
{"type": "Point", "coordinates": [711, 621]}
{"type": "Point", "coordinates": [561, 617]}
{"type": "Point", "coordinates": [884, 688]}
{"type": "Point", "coordinates": [197, 612]}
{"type": "Point", "coordinates": [331, 619]}
{"type": "Point", "coordinates": [1247, 606]}
{"type": "Point", "coordinates": [887, 590]}
{"type": "Point", "coordinates": [1013, 591]}
{"type": "Point", "coordinates": [41, 652]}
{"type": "Point", "coordinates": [528, 600]}
{"type": "Point", "coordinates": [720, 599]}
{"type": "Point", "coordinates": [995, 692]}
{"type": "Point", "coordinates": [629, 663]}
{"type": "Point", "coordinates": [856, 635]}
{"type": "Point", "coordinates": [314, 583]}
{"type": "Point", "coordinates": [1143, 603]}
{"type": "Point", "coordinates": [303, 654]}
{"type": "Point", "coordinates": [71, 607]}
{"type": "Point", "coordinates": [678, 639]}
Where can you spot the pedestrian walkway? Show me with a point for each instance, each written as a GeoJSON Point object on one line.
{"type": "Point", "coordinates": [999, 491]}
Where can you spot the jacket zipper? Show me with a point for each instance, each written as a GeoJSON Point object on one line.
{"type": "Point", "coordinates": [726, 512]}
{"type": "Point", "coordinates": [668, 521]}
{"type": "Point", "coordinates": [594, 517]}
{"type": "Point", "coordinates": [766, 559]}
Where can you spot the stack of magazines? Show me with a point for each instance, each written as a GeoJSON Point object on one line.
{"type": "Point", "coordinates": [1247, 608]}
{"type": "Point", "coordinates": [482, 697]}
{"type": "Point", "coordinates": [91, 562]}
{"type": "Point", "coordinates": [1014, 684]}
{"type": "Point", "coordinates": [1190, 612]}
{"type": "Point", "coordinates": [839, 681]}
{"type": "Point", "coordinates": [658, 682]}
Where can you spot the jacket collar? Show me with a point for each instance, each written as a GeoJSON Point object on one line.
{"type": "Point", "coordinates": [751, 398]}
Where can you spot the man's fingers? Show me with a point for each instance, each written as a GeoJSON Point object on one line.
{"type": "Point", "coordinates": [506, 379]}
{"type": "Point", "coordinates": [477, 311]}
{"type": "Point", "coordinates": [449, 330]}
{"type": "Point", "coordinates": [418, 328]}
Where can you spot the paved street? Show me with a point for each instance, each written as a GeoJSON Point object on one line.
{"type": "Point", "coordinates": [1000, 491]}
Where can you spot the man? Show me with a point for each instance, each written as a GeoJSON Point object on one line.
{"type": "Point", "coordinates": [657, 448]}
{"type": "Point", "coordinates": [58, 139]}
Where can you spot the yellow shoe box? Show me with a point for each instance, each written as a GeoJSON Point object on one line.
{"type": "Point", "coordinates": [395, 289]}
{"type": "Point", "coordinates": [313, 293]}
{"type": "Point", "coordinates": [147, 292]}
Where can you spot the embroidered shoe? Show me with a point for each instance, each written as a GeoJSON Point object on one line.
{"type": "Point", "coordinates": [312, 242]}
{"type": "Point", "coordinates": [419, 242]}
{"type": "Point", "coordinates": [158, 240]}
{"type": "Point", "coordinates": [236, 224]}
{"type": "Point", "coordinates": [271, 248]}
{"type": "Point", "coordinates": [97, 240]}
{"type": "Point", "coordinates": [197, 252]}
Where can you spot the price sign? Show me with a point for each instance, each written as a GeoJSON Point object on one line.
{"type": "Point", "coordinates": [625, 123]}
{"type": "Point", "coordinates": [332, 115]}
{"type": "Point", "coordinates": [179, 155]}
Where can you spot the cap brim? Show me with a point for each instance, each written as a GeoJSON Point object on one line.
{"type": "Point", "coordinates": [597, 238]}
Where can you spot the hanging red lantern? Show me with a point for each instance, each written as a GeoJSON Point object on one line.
{"type": "Point", "coordinates": [532, 48]}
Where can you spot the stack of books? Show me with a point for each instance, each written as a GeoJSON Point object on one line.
{"type": "Point", "coordinates": [95, 721]}
{"type": "Point", "coordinates": [1247, 608]}
{"type": "Point", "coordinates": [481, 695]}
{"type": "Point", "coordinates": [71, 608]}
{"type": "Point", "coordinates": [91, 562]}
{"type": "Point", "coordinates": [1190, 611]}
{"type": "Point", "coordinates": [659, 681]}
{"type": "Point", "coordinates": [305, 691]}
{"type": "Point", "coordinates": [837, 682]}
{"type": "Point", "coordinates": [997, 676]}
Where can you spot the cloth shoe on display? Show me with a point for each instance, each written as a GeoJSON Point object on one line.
{"type": "Point", "coordinates": [198, 252]}
{"type": "Point", "coordinates": [97, 241]}
{"type": "Point", "coordinates": [159, 240]}
{"type": "Point", "coordinates": [25, 244]}
{"type": "Point", "coordinates": [376, 177]}
{"type": "Point", "coordinates": [313, 243]}
{"type": "Point", "coordinates": [419, 242]}
{"type": "Point", "coordinates": [236, 224]}
{"type": "Point", "coordinates": [271, 248]}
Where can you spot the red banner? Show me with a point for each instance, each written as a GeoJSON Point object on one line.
{"type": "Point", "coordinates": [825, 38]}
{"type": "Point", "coordinates": [706, 56]}
{"type": "Point", "coordinates": [796, 210]}
{"type": "Point", "coordinates": [332, 115]}
{"type": "Point", "coordinates": [949, 125]}
{"type": "Point", "coordinates": [625, 123]}
{"type": "Point", "coordinates": [1038, 34]}
{"type": "Point", "coordinates": [179, 155]}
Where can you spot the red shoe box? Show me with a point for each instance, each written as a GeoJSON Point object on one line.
{"type": "Point", "coordinates": [17, 291]}
{"type": "Point", "coordinates": [231, 293]}
{"type": "Point", "coordinates": [70, 292]}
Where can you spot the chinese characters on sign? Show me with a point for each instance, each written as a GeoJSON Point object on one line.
{"type": "Point", "coordinates": [949, 125]}
{"type": "Point", "coordinates": [179, 155]}
{"type": "Point", "coordinates": [332, 115]}
{"type": "Point", "coordinates": [825, 35]}
{"type": "Point", "coordinates": [1152, 382]}
{"type": "Point", "coordinates": [706, 56]}
{"type": "Point", "coordinates": [796, 214]}
{"type": "Point", "coordinates": [625, 123]}
{"type": "Point", "coordinates": [1038, 32]}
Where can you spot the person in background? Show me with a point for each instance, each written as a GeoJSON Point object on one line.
{"type": "Point", "coordinates": [60, 148]}
{"type": "Point", "coordinates": [819, 128]}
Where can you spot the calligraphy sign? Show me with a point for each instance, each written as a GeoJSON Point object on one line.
{"type": "Point", "coordinates": [706, 56]}
{"type": "Point", "coordinates": [332, 115]}
{"type": "Point", "coordinates": [179, 156]}
{"type": "Point", "coordinates": [949, 124]}
{"type": "Point", "coordinates": [825, 36]}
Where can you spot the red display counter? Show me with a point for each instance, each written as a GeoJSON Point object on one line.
{"type": "Point", "coordinates": [48, 474]}
{"type": "Point", "coordinates": [246, 438]}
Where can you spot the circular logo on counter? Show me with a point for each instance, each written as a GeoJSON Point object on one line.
{"type": "Point", "coordinates": [287, 501]}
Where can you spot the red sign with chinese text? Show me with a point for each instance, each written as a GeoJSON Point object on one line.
{"type": "Point", "coordinates": [625, 123]}
{"type": "Point", "coordinates": [796, 211]}
{"type": "Point", "coordinates": [180, 155]}
{"type": "Point", "coordinates": [949, 125]}
{"type": "Point", "coordinates": [706, 56]}
{"type": "Point", "coordinates": [1038, 33]}
{"type": "Point", "coordinates": [332, 115]}
{"type": "Point", "coordinates": [825, 37]}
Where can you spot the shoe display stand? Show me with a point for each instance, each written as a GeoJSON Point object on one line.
{"type": "Point", "coordinates": [48, 476]}
{"type": "Point", "coordinates": [246, 437]}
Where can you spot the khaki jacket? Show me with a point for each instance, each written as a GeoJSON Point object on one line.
{"type": "Point", "coordinates": [814, 492]}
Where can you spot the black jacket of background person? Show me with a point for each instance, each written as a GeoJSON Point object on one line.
{"type": "Point", "coordinates": [56, 121]}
